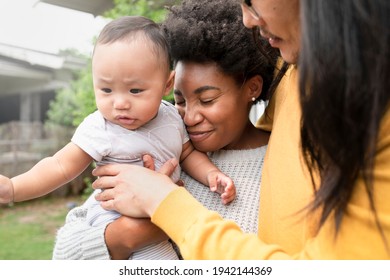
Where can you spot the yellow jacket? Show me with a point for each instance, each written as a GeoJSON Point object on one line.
{"type": "Point", "coordinates": [286, 229]}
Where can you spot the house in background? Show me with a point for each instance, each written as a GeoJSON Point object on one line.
{"type": "Point", "coordinates": [29, 78]}
{"type": "Point", "coordinates": [95, 7]}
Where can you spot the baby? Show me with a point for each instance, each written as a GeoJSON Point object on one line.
{"type": "Point", "coordinates": [131, 74]}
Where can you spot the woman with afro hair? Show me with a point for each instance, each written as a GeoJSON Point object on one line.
{"type": "Point", "coordinates": [220, 73]}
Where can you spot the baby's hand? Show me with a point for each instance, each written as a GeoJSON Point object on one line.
{"type": "Point", "coordinates": [223, 185]}
{"type": "Point", "coordinates": [6, 190]}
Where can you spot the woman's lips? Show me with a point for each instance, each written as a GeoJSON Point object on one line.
{"type": "Point", "coordinates": [272, 39]}
{"type": "Point", "coordinates": [274, 42]}
{"type": "Point", "coordinates": [199, 136]}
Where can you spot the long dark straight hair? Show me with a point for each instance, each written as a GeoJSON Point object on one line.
{"type": "Point", "coordinates": [345, 90]}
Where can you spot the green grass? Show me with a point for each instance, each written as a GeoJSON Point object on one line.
{"type": "Point", "coordinates": [27, 230]}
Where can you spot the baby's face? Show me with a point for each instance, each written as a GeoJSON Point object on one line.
{"type": "Point", "coordinates": [129, 82]}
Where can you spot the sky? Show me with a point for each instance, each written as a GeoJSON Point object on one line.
{"type": "Point", "coordinates": [48, 28]}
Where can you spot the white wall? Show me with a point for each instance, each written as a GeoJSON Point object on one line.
{"type": "Point", "coordinates": [256, 111]}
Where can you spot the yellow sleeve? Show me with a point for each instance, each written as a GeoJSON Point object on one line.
{"type": "Point", "coordinates": [202, 234]}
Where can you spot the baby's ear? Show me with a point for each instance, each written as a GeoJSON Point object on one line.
{"type": "Point", "coordinates": [170, 82]}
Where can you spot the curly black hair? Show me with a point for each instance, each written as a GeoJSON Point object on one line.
{"type": "Point", "coordinates": [206, 31]}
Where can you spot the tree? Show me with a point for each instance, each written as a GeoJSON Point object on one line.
{"type": "Point", "coordinates": [153, 9]}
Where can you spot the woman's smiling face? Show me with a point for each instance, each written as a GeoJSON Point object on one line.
{"type": "Point", "coordinates": [212, 105]}
{"type": "Point", "coordinates": [279, 24]}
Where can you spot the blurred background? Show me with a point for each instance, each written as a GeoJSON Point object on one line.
{"type": "Point", "coordinates": [45, 92]}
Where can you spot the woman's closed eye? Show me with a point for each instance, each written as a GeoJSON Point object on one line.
{"type": "Point", "coordinates": [208, 101]}
{"type": "Point", "coordinates": [178, 97]}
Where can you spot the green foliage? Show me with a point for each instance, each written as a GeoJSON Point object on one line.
{"type": "Point", "coordinates": [84, 96]}
{"type": "Point", "coordinates": [88, 190]}
{"type": "Point", "coordinates": [71, 52]}
{"type": "Point", "coordinates": [150, 9]}
{"type": "Point", "coordinates": [73, 104]}
{"type": "Point", "coordinates": [62, 108]}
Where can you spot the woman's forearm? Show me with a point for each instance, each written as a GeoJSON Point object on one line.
{"type": "Point", "coordinates": [126, 235]}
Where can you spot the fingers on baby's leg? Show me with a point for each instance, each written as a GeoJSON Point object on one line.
{"type": "Point", "coordinates": [229, 194]}
{"type": "Point", "coordinates": [148, 161]}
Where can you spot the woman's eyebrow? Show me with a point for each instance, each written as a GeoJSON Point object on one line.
{"type": "Point", "coordinates": [205, 88]}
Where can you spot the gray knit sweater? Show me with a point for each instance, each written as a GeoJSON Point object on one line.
{"type": "Point", "coordinates": [78, 240]}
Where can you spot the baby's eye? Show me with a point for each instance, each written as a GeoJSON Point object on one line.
{"type": "Point", "coordinates": [135, 90]}
{"type": "Point", "coordinates": [106, 90]}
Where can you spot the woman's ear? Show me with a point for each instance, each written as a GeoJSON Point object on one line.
{"type": "Point", "coordinates": [170, 83]}
{"type": "Point", "coordinates": [254, 86]}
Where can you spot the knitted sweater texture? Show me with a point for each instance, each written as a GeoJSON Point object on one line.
{"type": "Point", "coordinates": [78, 240]}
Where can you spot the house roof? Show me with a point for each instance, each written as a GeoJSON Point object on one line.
{"type": "Point", "coordinates": [95, 7]}
{"type": "Point", "coordinates": [22, 69]}
{"type": "Point", "coordinates": [28, 70]}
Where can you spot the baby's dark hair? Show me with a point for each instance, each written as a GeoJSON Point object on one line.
{"type": "Point", "coordinates": [129, 27]}
{"type": "Point", "coordinates": [205, 31]}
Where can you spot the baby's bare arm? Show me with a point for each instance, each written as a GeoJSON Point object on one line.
{"type": "Point", "coordinates": [6, 190]}
{"type": "Point", "coordinates": [51, 173]}
{"type": "Point", "coordinates": [196, 164]}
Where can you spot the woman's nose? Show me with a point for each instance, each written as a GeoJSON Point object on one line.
{"type": "Point", "coordinates": [191, 116]}
{"type": "Point", "coordinates": [248, 20]}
